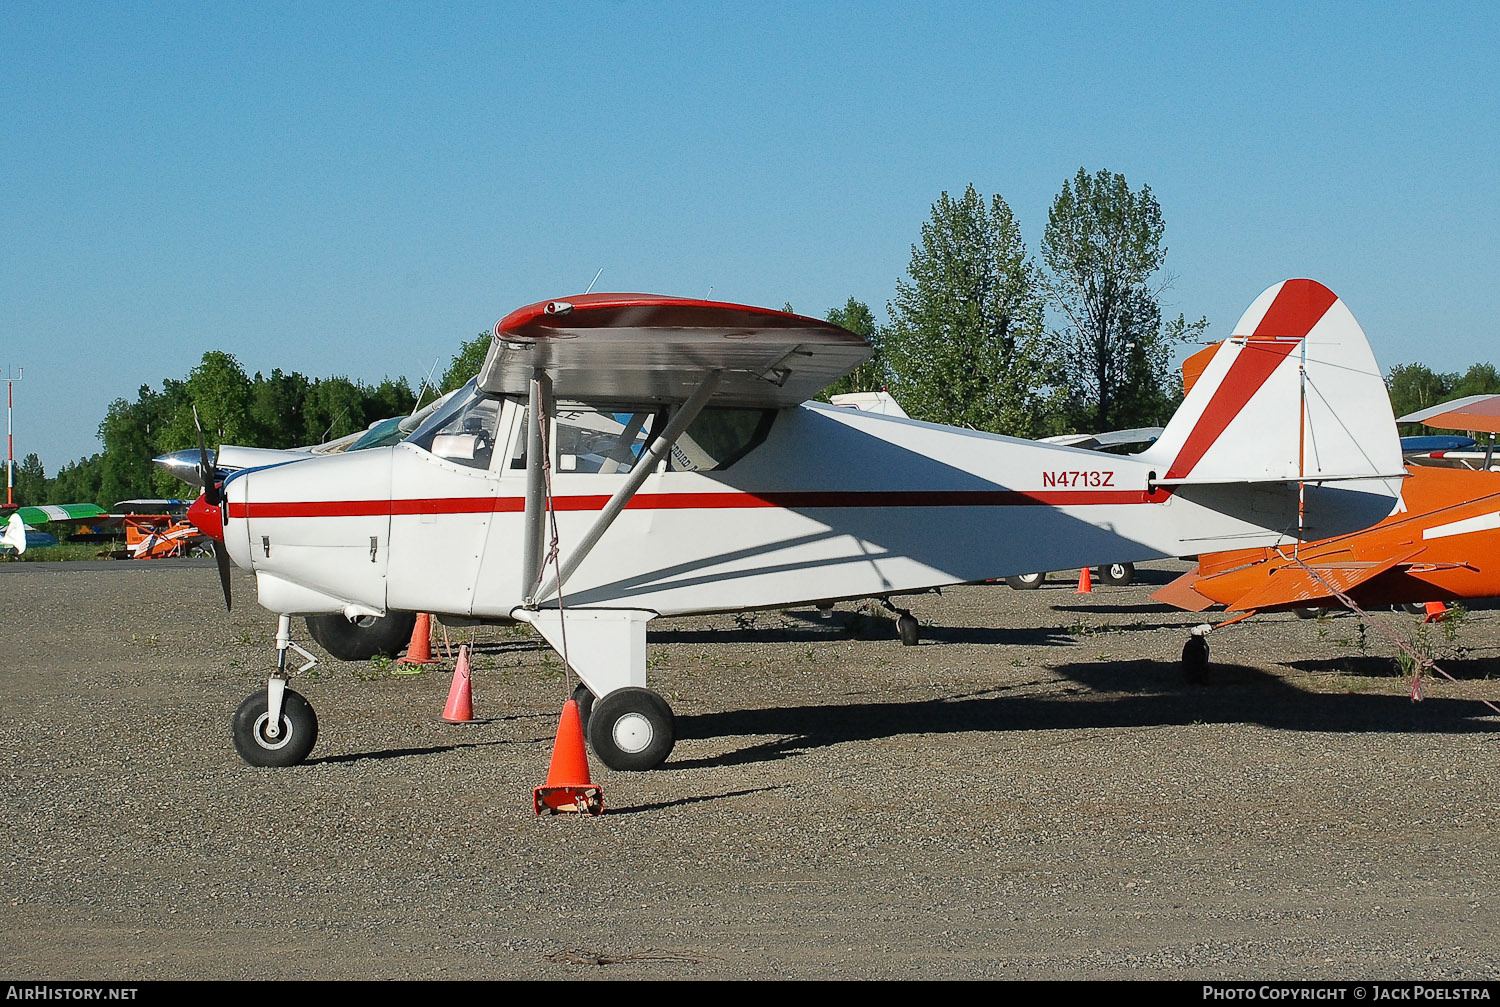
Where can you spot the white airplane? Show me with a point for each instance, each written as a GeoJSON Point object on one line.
{"type": "Point", "coordinates": [625, 456]}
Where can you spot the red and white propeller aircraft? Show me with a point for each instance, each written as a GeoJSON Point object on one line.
{"type": "Point", "coordinates": [669, 444]}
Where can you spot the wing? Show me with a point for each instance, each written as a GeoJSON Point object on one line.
{"type": "Point", "coordinates": [645, 348]}
{"type": "Point", "coordinates": [1473, 412]}
{"type": "Point", "coordinates": [1290, 584]}
{"type": "Point", "coordinates": [60, 512]}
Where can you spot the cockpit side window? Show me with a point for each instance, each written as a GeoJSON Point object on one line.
{"type": "Point", "coordinates": [717, 438]}
{"type": "Point", "coordinates": [604, 440]}
{"type": "Point", "coordinates": [611, 439]}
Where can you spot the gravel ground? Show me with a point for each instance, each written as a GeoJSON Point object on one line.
{"type": "Point", "coordinates": [1032, 792]}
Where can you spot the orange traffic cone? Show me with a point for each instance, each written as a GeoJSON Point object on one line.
{"type": "Point", "coordinates": [460, 708]}
{"type": "Point", "coordinates": [1436, 612]}
{"type": "Point", "coordinates": [1085, 582]}
{"type": "Point", "coordinates": [568, 787]}
{"type": "Point", "coordinates": [419, 651]}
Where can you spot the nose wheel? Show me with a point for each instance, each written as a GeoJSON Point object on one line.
{"type": "Point", "coordinates": [287, 743]}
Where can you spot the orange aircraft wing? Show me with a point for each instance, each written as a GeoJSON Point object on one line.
{"type": "Point", "coordinates": [1291, 584]}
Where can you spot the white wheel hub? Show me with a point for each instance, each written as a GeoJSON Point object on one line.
{"type": "Point", "coordinates": [632, 733]}
{"type": "Point", "coordinates": [264, 741]}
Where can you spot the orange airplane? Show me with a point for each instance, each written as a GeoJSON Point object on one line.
{"type": "Point", "coordinates": [1442, 543]}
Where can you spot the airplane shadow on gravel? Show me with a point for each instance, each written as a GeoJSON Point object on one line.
{"type": "Point", "coordinates": [1236, 694]}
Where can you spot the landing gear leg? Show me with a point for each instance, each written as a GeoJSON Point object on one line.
{"type": "Point", "coordinates": [907, 626]}
{"type": "Point", "coordinates": [277, 727]}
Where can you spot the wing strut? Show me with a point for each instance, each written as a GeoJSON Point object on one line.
{"type": "Point", "coordinates": [538, 412]}
{"type": "Point", "coordinates": [649, 460]}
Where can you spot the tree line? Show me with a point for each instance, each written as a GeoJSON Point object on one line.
{"type": "Point", "coordinates": [967, 342]}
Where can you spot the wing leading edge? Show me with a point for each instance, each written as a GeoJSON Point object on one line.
{"type": "Point", "coordinates": [645, 347]}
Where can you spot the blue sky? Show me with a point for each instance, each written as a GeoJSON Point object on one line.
{"type": "Point", "coordinates": [344, 189]}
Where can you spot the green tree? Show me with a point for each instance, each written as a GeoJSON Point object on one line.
{"type": "Point", "coordinates": [81, 482]}
{"type": "Point", "coordinates": [870, 375]}
{"type": "Point", "coordinates": [334, 407]}
{"type": "Point", "coordinates": [1103, 251]}
{"type": "Point", "coordinates": [1416, 386]}
{"type": "Point", "coordinates": [31, 482]}
{"type": "Point", "coordinates": [275, 409]}
{"type": "Point", "coordinates": [1479, 379]}
{"type": "Point", "coordinates": [466, 362]}
{"type": "Point", "coordinates": [965, 344]}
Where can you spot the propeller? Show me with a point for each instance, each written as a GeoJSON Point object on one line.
{"type": "Point", "coordinates": [213, 497]}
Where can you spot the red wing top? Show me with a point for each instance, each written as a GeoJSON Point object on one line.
{"type": "Point", "coordinates": [1474, 412]}
{"type": "Point", "coordinates": [645, 347]}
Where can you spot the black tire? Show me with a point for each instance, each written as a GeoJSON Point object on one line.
{"type": "Point", "coordinates": [1117, 574]}
{"type": "Point", "coordinates": [632, 729]}
{"type": "Point", "coordinates": [1026, 581]}
{"type": "Point", "coordinates": [907, 629]}
{"type": "Point", "coordinates": [1415, 608]}
{"type": "Point", "coordinates": [364, 638]}
{"type": "Point", "coordinates": [299, 730]}
{"type": "Point", "coordinates": [585, 700]}
{"type": "Point", "coordinates": [1307, 613]}
{"type": "Point", "coordinates": [1195, 658]}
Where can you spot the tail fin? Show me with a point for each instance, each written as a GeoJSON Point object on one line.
{"type": "Point", "coordinates": [1293, 395]}
{"type": "Point", "coordinates": [15, 534]}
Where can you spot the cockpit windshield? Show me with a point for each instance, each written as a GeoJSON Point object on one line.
{"type": "Point", "coordinates": [462, 430]}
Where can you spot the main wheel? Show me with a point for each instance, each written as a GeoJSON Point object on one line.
{"type": "Point", "coordinates": [906, 627]}
{"type": "Point", "coordinates": [365, 637]}
{"type": "Point", "coordinates": [632, 729]}
{"type": "Point", "coordinates": [1117, 574]}
{"type": "Point", "coordinates": [1026, 581]}
{"type": "Point", "coordinates": [298, 735]}
{"type": "Point", "coordinates": [585, 700]}
{"type": "Point", "coordinates": [1307, 613]}
{"type": "Point", "coordinates": [1195, 658]}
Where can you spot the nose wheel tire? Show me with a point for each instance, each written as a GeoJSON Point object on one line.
{"type": "Point", "coordinates": [1117, 574]}
{"type": "Point", "coordinates": [294, 740]}
{"type": "Point", "coordinates": [631, 729]}
{"type": "Point", "coordinates": [1026, 581]}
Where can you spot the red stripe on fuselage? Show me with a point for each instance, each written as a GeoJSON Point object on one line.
{"type": "Point", "coordinates": [1298, 306]}
{"type": "Point", "coordinates": [811, 500]}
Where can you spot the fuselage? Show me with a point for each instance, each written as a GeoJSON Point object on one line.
{"type": "Point", "coordinates": [812, 503]}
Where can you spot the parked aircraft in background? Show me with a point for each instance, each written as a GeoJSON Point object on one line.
{"type": "Point", "coordinates": [625, 456]}
{"type": "Point", "coordinates": [19, 534]}
{"type": "Point", "coordinates": [1441, 544]}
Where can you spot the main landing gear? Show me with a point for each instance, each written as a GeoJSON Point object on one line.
{"type": "Point", "coordinates": [631, 729]}
{"type": "Point", "coordinates": [277, 727]}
